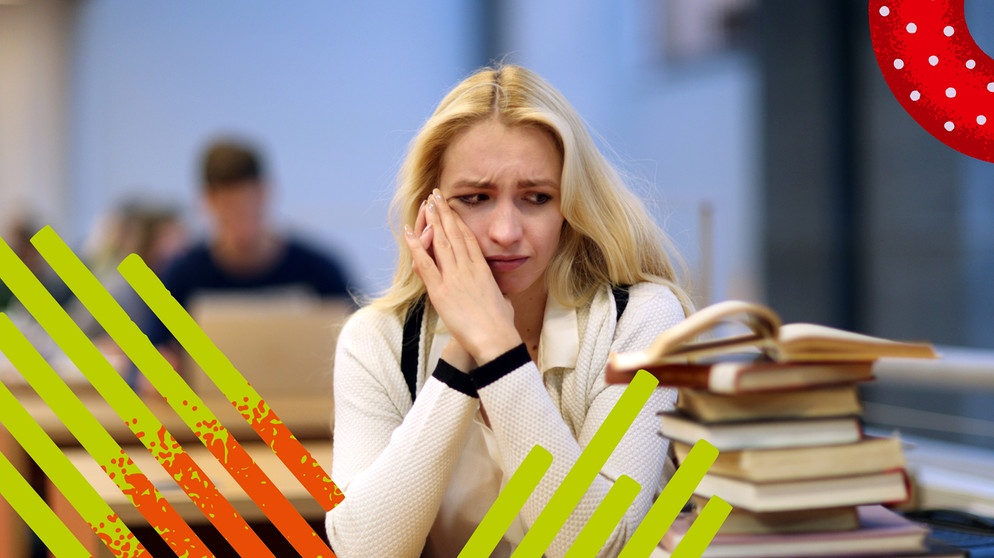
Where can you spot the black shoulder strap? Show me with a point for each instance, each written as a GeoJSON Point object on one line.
{"type": "Point", "coordinates": [411, 344]}
{"type": "Point", "coordinates": [620, 299]}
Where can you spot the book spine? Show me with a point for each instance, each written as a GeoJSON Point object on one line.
{"type": "Point", "coordinates": [680, 375]}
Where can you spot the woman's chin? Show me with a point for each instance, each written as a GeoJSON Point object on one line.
{"type": "Point", "coordinates": [511, 289]}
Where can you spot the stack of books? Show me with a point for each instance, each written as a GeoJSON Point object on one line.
{"type": "Point", "coordinates": [781, 405]}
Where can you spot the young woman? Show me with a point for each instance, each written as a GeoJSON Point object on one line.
{"type": "Point", "coordinates": [517, 236]}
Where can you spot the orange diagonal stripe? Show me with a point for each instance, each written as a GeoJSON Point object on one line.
{"type": "Point", "coordinates": [187, 404]}
{"type": "Point", "coordinates": [97, 442]}
{"type": "Point", "coordinates": [234, 386]}
{"type": "Point", "coordinates": [112, 387]}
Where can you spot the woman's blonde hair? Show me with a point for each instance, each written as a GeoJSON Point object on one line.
{"type": "Point", "coordinates": [608, 236]}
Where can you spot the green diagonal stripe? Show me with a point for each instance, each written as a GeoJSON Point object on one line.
{"type": "Point", "coordinates": [36, 513]}
{"type": "Point", "coordinates": [66, 405]}
{"type": "Point", "coordinates": [87, 358]}
{"type": "Point", "coordinates": [187, 404]}
{"type": "Point", "coordinates": [508, 504]}
{"type": "Point", "coordinates": [211, 360]}
{"type": "Point", "coordinates": [116, 392]}
{"type": "Point", "coordinates": [57, 466]}
{"type": "Point", "coordinates": [703, 529]}
{"type": "Point", "coordinates": [605, 518]}
{"type": "Point", "coordinates": [671, 501]}
{"type": "Point", "coordinates": [232, 384]}
{"type": "Point", "coordinates": [587, 466]}
{"type": "Point", "coordinates": [121, 328]}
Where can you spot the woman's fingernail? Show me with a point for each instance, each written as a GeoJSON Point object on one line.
{"type": "Point", "coordinates": [423, 202]}
{"type": "Point", "coordinates": [408, 232]}
{"type": "Point", "coordinates": [438, 194]}
{"type": "Point", "coordinates": [431, 206]}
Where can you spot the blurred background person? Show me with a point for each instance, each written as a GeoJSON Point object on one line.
{"type": "Point", "coordinates": [243, 253]}
{"type": "Point", "coordinates": [18, 237]}
{"type": "Point", "coordinates": [154, 231]}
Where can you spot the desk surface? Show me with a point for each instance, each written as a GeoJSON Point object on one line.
{"type": "Point", "coordinates": [307, 416]}
{"type": "Point", "coordinates": [949, 475]}
{"type": "Point", "coordinates": [297, 495]}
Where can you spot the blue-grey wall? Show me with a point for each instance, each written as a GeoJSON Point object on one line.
{"type": "Point", "coordinates": [336, 90]}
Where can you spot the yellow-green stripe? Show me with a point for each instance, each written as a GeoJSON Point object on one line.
{"type": "Point", "coordinates": [605, 518]}
{"type": "Point", "coordinates": [587, 466]}
{"type": "Point", "coordinates": [59, 469]}
{"type": "Point", "coordinates": [36, 513]}
{"type": "Point", "coordinates": [64, 403]}
{"type": "Point", "coordinates": [124, 331]}
{"type": "Point", "coordinates": [697, 538]}
{"type": "Point", "coordinates": [671, 501]}
{"type": "Point", "coordinates": [508, 503]}
{"type": "Point", "coordinates": [87, 358]}
{"type": "Point", "coordinates": [178, 321]}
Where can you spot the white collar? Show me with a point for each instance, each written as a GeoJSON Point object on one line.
{"type": "Point", "coordinates": [558, 346]}
{"type": "Point", "coordinates": [560, 341]}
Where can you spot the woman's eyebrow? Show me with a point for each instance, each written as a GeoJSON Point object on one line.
{"type": "Point", "coordinates": [533, 182]}
{"type": "Point", "coordinates": [524, 183]}
{"type": "Point", "coordinates": [476, 184]}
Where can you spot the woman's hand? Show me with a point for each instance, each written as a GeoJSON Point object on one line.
{"type": "Point", "coordinates": [453, 353]}
{"type": "Point", "coordinates": [460, 284]}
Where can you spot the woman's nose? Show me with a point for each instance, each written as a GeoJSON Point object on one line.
{"type": "Point", "coordinates": [505, 223]}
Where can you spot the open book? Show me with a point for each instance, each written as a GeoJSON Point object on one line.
{"type": "Point", "coordinates": [799, 342]}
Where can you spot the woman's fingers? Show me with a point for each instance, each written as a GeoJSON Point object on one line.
{"type": "Point", "coordinates": [421, 228]}
{"type": "Point", "coordinates": [455, 234]}
{"type": "Point", "coordinates": [424, 229]}
{"type": "Point", "coordinates": [427, 236]}
{"type": "Point", "coordinates": [442, 247]}
{"type": "Point", "coordinates": [424, 264]}
{"type": "Point", "coordinates": [460, 284]}
{"type": "Point", "coordinates": [446, 240]}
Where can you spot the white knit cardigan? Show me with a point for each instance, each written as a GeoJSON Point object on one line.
{"type": "Point", "coordinates": [395, 461]}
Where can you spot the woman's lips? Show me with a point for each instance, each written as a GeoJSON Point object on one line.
{"type": "Point", "coordinates": [504, 264]}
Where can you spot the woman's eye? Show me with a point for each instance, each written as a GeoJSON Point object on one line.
{"type": "Point", "coordinates": [539, 198]}
{"type": "Point", "coordinates": [472, 199]}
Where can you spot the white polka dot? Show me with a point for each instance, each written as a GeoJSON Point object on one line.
{"type": "Point", "coordinates": [948, 31]}
{"type": "Point", "coordinates": [990, 87]}
{"type": "Point", "coordinates": [971, 64]}
{"type": "Point", "coordinates": [981, 120]}
{"type": "Point", "coordinates": [884, 11]}
{"type": "Point", "coordinates": [949, 126]}
{"type": "Point", "coordinates": [950, 92]}
{"type": "Point", "coordinates": [933, 60]}
{"type": "Point", "coordinates": [912, 28]}
{"type": "Point", "coordinates": [898, 63]}
{"type": "Point", "coordinates": [915, 95]}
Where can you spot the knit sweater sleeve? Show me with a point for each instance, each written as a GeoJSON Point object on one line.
{"type": "Point", "coordinates": [392, 461]}
{"type": "Point", "coordinates": [522, 414]}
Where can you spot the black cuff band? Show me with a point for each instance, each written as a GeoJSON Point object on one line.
{"type": "Point", "coordinates": [500, 366]}
{"type": "Point", "coordinates": [455, 378]}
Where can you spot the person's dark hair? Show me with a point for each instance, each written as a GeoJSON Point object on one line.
{"type": "Point", "coordinates": [229, 162]}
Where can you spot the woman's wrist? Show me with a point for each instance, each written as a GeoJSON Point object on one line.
{"type": "Point", "coordinates": [495, 345]}
{"type": "Point", "coordinates": [502, 365]}
{"type": "Point", "coordinates": [457, 357]}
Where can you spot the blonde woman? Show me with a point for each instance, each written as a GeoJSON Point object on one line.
{"type": "Point", "coordinates": [519, 246]}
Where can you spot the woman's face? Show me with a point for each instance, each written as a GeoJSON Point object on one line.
{"type": "Point", "coordinates": [504, 182]}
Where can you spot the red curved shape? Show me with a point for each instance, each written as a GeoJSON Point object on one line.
{"type": "Point", "coordinates": [936, 71]}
